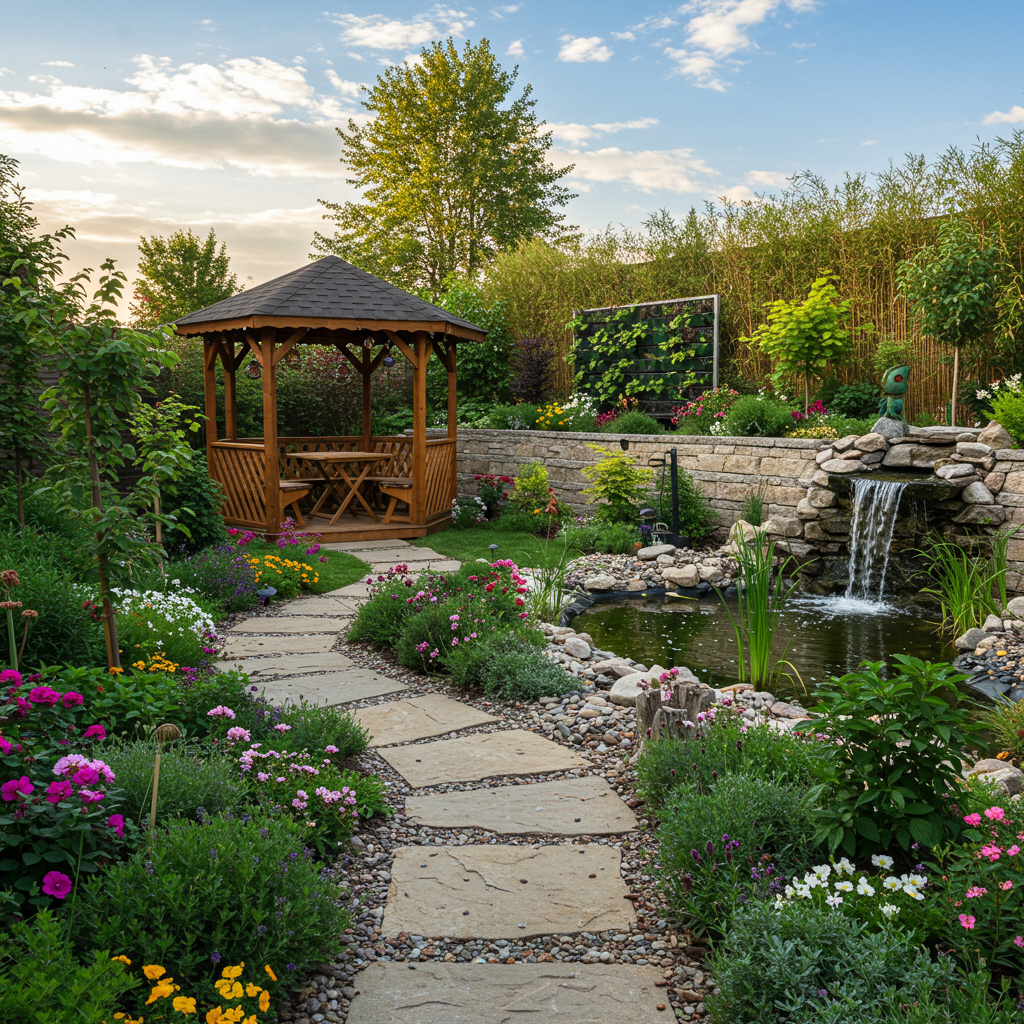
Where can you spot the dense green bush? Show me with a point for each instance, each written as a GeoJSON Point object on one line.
{"type": "Point", "coordinates": [195, 503]}
{"type": "Point", "coordinates": [757, 416]}
{"type": "Point", "coordinates": [633, 422]}
{"type": "Point", "coordinates": [382, 619]}
{"type": "Point", "coordinates": [606, 538]}
{"type": "Point", "coordinates": [221, 574]}
{"type": "Point", "coordinates": [618, 486]}
{"type": "Point", "coordinates": [297, 727]}
{"type": "Point", "coordinates": [717, 847]}
{"type": "Point", "coordinates": [513, 417]}
{"type": "Point", "coordinates": [230, 890]}
{"type": "Point", "coordinates": [858, 400]}
{"type": "Point", "coordinates": [510, 668]}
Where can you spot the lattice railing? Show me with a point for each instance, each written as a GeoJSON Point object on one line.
{"type": "Point", "coordinates": [238, 467]}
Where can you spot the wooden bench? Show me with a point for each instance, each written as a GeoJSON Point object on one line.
{"type": "Point", "coordinates": [292, 492]}
{"type": "Point", "coordinates": [397, 488]}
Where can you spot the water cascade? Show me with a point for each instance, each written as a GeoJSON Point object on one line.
{"type": "Point", "coordinates": [874, 515]}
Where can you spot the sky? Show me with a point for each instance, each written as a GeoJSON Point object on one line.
{"type": "Point", "coordinates": [140, 119]}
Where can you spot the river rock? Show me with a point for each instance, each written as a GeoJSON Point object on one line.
{"type": "Point", "coordinates": [844, 444]}
{"type": "Point", "coordinates": [1009, 779]}
{"type": "Point", "coordinates": [651, 553]}
{"type": "Point", "coordinates": [889, 428]}
{"type": "Point", "coordinates": [842, 466]}
{"type": "Point", "coordinates": [994, 482]}
{"type": "Point", "coordinates": [1015, 606]}
{"type": "Point", "coordinates": [954, 469]}
{"type": "Point", "coordinates": [872, 458]}
{"type": "Point", "coordinates": [805, 510]}
{"type": "Point", "coordinates": [682, 576]}
{"type": "Point", "coordinates": [821, 498]}
{"type": "Point", "coordinates": [995, 436]}
{"type": "Point", "coordinates": [872, 443]}
{"type": "Point", "coordinates": [602, 581]}
{"type": "Point", "coordinates": [993, 624]}
{"type": "Point", "coordinates": [577, 648]}
{"type": "Point", "coordinates": [973, 450]}
{"type": "Point", "coordinates": [981, 515]}
{"type": "Point", "coordinates": [824, 455]}
{"type": "Point", "coordinates": [625, 691]}
{"type": "Point", "coordinates": [977, 494]}
{"type": "Point", "coordinates": [970, 639]}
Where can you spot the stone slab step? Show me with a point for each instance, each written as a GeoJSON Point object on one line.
{"type": "Point", "coordinates": [244, 645]}
{"type": "Point", "coordinates": [331, 688]}
{"type": "Point", "coordinates": [568, 807]}
{"type": "Point", "coordinates": [364, 545]}
{"type": "Point", "coordinates": [290, 624]}
{"type": "Point", "coordinates": [506, 892]}
{"type": "Point", "coordinates": [390, 993]}
{"type": "Point", "coordinates": [481, 756]}
{"type": "Point", "coordinates": [419, 717]}
{"type": "Point", "coordinates": [321, 605]}
{"type": "Point", "coordinates": [289, 665]}
{"type": "Point", "coordinates": [356, 590]}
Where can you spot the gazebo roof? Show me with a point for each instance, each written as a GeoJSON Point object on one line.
{"type": "Point", "coordinates": [327, 293]}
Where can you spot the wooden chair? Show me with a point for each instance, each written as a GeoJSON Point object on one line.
{"type": "Point", "coordinates": [397, 488]}
{"type": "Point", "coordinates": [292, 492]}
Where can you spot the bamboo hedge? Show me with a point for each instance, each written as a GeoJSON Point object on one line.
{"type": "Point", "coordinates": [754, 252]}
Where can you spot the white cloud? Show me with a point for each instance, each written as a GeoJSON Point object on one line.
{"type": "Point", "coordinates": [57, 64]}
{"type": "Point", "coordinates": [346, 88]}
{"type": "Point", "coordinates": [579, 49]}
{"type": "Point", "coordinates": [515, 48]}
{"type": "Point", "coordinates": [501, 12]}
{"type": "Point", "coordinates": [378, 32]}
{"type": "Point", "coordinates": [768, 179]}
{"type": "Point", "coordinates": [355, 56]}
{"type": "Point", "coordinates": [874, 142]}
{"type": "Point", "coordinates": [672, 170]}
{"type": "Point", "coordinates": [802, 46]}
{"type": "Point", "coordinates": [1012, 116]}
{"type": "Point", "coordinates": [739, 194]}
{"type": "Point", "coordinates": [5, 71]}
{"type": "Point", "coordinates": [578, 133]}
{"type": "Point", "coordinates": [624, 37]}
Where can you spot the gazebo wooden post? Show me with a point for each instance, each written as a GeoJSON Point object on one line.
{"type": "Point", "coordinates": [419, 428]}
{"type": "Point", "coordinates": [210, 393]}
{"type": "Point", "coordinates": [271, 479]}
{"type": "Point", "coordinates": [367, 371]}
{"type": "Point", "coordinates": [230, 404]}
{"type": "Point", "coordinates": [453, 417]}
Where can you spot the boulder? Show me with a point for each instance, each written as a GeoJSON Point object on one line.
{"type": "Point", "coordinates": [741, 528]}
{"type": "Point", "coordinates": [824, 455]}
{"type": "Point", "coordinates": [872, 458]}
{"type": "Point", "coordinates": [664, 560]}
{"type": "Point", "coordinates": [709, 573]}
{"type": "Point", "coordinates": [1009, 779]}
{"type": "Point", "coordinates": [651, 553]}
{"type": "Point", "coordinates": [819, 479]}
{"type": "Point", "coordinates": [844, 444]}
{"type": "Point", "coordinates": [805, 510]}
{"type": "Point", "coordinates": [993, 624]}
{"type": "Point", "coordinates": [872, 443]}
{"type": "Point", "coordinates": [994, 482]}
{"type": "Point", "coordinates": [1015, 606]}
{"type": "Point", "coordinates": [973, 450]}
{"type": "Point", "coordinates": [954, 469]}
{"type": "Point", "coordinates": [625, 690]}
{"type": "Point", "coordinates": [577, 648]}
{"type": "Point", "coordinates": [981, 515]}
{"type": "Point", "coordinates": [969, 640]}
{"type": "Point", "coordinates": [899, 455]}
{"type": "Point", "coordinates": [842, 466]}
{"type": "Point", "coordinates": [995, 436]}
{"type": "Point", "coordinates": [977, 494]}
{"type": "Point", "coordinates": [682, 576]}
{"type": "Point", "coordinates": [889, 428]}
{"type": "Point", "coordinates": [821, 498]}
{"type": "Point", "coordinates": [603, 581]}
{"type": "Point", "coordinates": [782, 526]}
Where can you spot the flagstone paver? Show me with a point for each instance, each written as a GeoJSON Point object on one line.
{"type": "Point", "coordinates": [321, 605]}
{"type": "Point", "coordinates": [484, 994]}
{"type": "Point", "coordinates": [331, 688]}
{"type": "Point", "coordinates": [357, 590]}
{"type": "Point", "coordinates": [364, 545]}
{"type": "Point", "coordinates": [587, 806]}
{"type": "Point", "coordinates": [242, 645]}
{"type": "Point", "coordinates": [510, 892]}
{"type": "Point", "coordinates": [433, 714]}
{"type": "Point", "coordinates": [290, 624]}
{"type": "Point", "coordinates": [480, 756]}
{"type": "Point", "coordinates": [290, 664]}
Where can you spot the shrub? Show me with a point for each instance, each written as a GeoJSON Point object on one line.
{"type": "Point", "coordinates": [171, 624]}
{"type": "Point", "coordinates": [844, 426]}
{"type": "Point", "coordinates": [231, 889]}
{"type": "Point", "coordinates": [696, 516]}
{"type": "Point", "coordinates": [730, 846]}
{"type": "Point", "coordinates": [222, 574]}
{"type": "Point", "coordinates": [532, 369]}
{"type": "Point", "coordinates": [530, 488]}
{"type": "Point", "coordinates": [606, 538]}
{"type": "Point", "coordinates": [190, 778]}
{"type": "Point", "coordinates": [633, 422]}
{"type": "Point", "coordinates": [788, 965]}
{"type": "Point", "coordinates": [382, 618]}
{"type": "Point", "coordinates": [467, 512]}
{"type": "Point", "coordinates": [288, 576]}
{"type": "Point", "coordinates": [721, 748]}
{"type": "Point", "coordinates": [490, 490]}
{"type": "Point", "coordinates": [575, 415]}
{"type": "Point", "coordinates": [859, 400]}
{"type": "Point", "coordinates": [298, 727]}
{"type": "Point", "coordinates": [706, 414]}
{"type": "Point", "coordinates": [901, 738]}
{"type": "Point", "coordinates": [757, 416]}
{"type": "Point", "coordinates": [509, 668]}
{"type": "Point", "coordinates": [513, 417]}
{"type": "Point", "coordinates": [195, 503]}
{"type": "Point", "coordinates": [618, 485]}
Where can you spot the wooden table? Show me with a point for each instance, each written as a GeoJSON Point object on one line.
{"type": "Point", "coordinates": [331, 466]}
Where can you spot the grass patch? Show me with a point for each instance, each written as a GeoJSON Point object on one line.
{"type": "Point", "coordinates": [525, 549]}
{"type": "Point", "coordinates": [339, 570]}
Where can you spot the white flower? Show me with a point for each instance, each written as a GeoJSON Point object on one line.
{"type": "Point", "coordinates": [803, 891]}
{"type": "Point", "coordinates": [881, 861]}
{"type": "Point", "coordinates": [845, 867]}
{"type": "Point", "coordinates": [890, 910]}
{"type": "Point", "coordinates": [916, 880]}
{"type": "Point", "coordinates": [844, 886]}
{"type": "Point", "coordinates": [892, 883]}
{"type": "Point", "coordinates": [790, 892]}
{"type": "Point", "coordinates": [833, 901]}
{"type": "Point", "coordinates": [864, 888]}
{"type": "Point", "coordinates": [821, 872]}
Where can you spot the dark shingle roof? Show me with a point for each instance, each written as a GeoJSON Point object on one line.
{"type": "Point", "coordinates": [328, 288]}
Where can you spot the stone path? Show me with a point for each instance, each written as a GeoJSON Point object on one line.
{"type": "Point", "coordinates": [505, 891]}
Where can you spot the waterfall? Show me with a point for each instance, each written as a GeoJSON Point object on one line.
{"type": "Point", "coordinates": [874, 515]}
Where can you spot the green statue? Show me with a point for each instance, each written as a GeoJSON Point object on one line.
{"type": "Point", "coordinates": [894, 383]}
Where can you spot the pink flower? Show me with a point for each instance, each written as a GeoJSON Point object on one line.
{"type": "Point", "coordinates": [220, 712]}
{"type": "Point", "coordinates": [236, 732]}
{"type": "Point", "coordinates": [976, 891]}
{"type": "Point", "coordinates": [1013, 850]}
{"type": "Point", "coordinates": [967, 920]}
{"type": "Point", "coordinates": [95, 732]}
{"type": "Point", "coordinates": [89, 796]}
{"type": "Point", "coordinates": [85, 776]}
{"type": "Point", "coordinates": [331, 748]}
{"type": "Point", "coordinates": [9, 675]}
{"type": "Point", "coordinates": [72, 699]}
{"type": "Point", "coordinates": [1019, 942]}
{"type": "Point", "coordinates": [43, 695]}
{"type": "Point", "coordinates": [116, 822]}
{"type": "Point", "coordinates": [11, 790]}
{"type": "Point", "coordinates": [5, 746]}
{"type": "Point", "coordinates": [262, 776]}
{"type": "Point", "coordinates": [58, 790]}
{"type": "Point", "coordinates": [282, 727]}
{"type": "Point", "coordinates": [973, 819]}
{"type": "Point", "coordinates": [56, 883]}
{"type": "Point", "coordinates": [992, 852]}
{"type": "Point", "coordinates": [994, 814]}
{"type": "Point", "coordinates": [1006, 885]}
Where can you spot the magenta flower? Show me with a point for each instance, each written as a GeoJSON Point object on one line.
{"type": "Point", "coordinates": [95, 732]}
{"type": "Point", "coordinates": [116, 822]}
{"type": "Point", "coordinates": [58, 790]}
{"type": "Point", "coordinates": [56, 883]}
{"type": "Point", "coordinates": [967, 920]}
{"type": "Point", "coordinates": [11, 790]}
{"type": "Point", "coordinates": [973, 819]}
{"type": "Point", "coordinates": [90, 797]}
{"type": "Point", "coordinates": [995, 814]}
{"type": "Point", "coordinates": [9, 675]}
{"type": "Point", "coordinates": [43, 695]}
{"type": "Point", "coordinates": [1019, 942]}
{"type": "Point", "coordinates": [331, 748]}
{"type": "Point", "coordinates": [72, 699]}
{"type": "Point", "coordinates": [85, 776]}
{"type": "Point", "coordinates": [5, 745]}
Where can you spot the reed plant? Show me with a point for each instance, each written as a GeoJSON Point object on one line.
{"type": "Point", "coordinates": [997, 562]}
{"type": "Point", "coordinates": [753, 505]}
{"type": "Point", "coordinates": [962, 583]}
{"type": "Point", "coordinates": [548, 594]}
{"type": "Point", "coordinates": [762, 593]}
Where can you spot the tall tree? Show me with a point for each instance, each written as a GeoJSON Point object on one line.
{"type": "Point", "coordinates": [180, 274]}
{"type": "Point", "coordinates": [450, 172]}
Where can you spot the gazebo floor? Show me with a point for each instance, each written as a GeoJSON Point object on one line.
{"type": "Point", "coordinates": [362, 527]}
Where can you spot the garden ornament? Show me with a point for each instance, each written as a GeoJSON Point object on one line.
{"type": "Point", "coordinates": [894, 385]}
{"type": "Point", "coordinates": [166, 732]}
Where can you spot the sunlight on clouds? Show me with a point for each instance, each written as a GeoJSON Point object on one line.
{"type": "Point", "coordinates": [768, 179]}
{"type": "Point", "coordinates": [515, 48]}
{"type": "Point", "coordinates": [579, 133]}
{"type": "Point", "coordinates": [501, 12]}
{"type": "Point", "coordinates": [874, 142]}
{"type": "Point", "coordinates": [739, 194]}
{"type": "Point", "coordinates": [1012, 116]}
{"type": "Point", "coordinates": [672, 170]}
{"type": "Point", "coordinates": [378, 32]}
{"type": "Point", "coordinates": [701, 67]}
{"type": "Point", "coordinates": [577, 49]}
{"type": "Point", "coordinates": [346, 88]}
{"type": "Point", "coordinates": [57, 64]}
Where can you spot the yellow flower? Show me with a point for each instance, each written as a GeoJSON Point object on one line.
{"type": "Point", "coordinates": [229, 989]}
{"type": "Point", "coordinates": [115, 671]}
{"type": "Point", "coordinates": [235, 1014]}
{"type": "Point", "coordinates": [184, 1004]}
{"type": "Point", "coordinates": [161, 991]}
{"type": "Point", "coordinates": [152, 971]}
{"type": "Point", "coordinates": [233, 972]}
{"type": "Point", "coordinates": [251, 1019]}
{"type": "Point", "coordinates": [273, 976]}
{"type": "Point", "coordinates": [252, 990]}
{"type": "Point", "coordinates": [264, 1000]}
{"type": "Point", "coordinates": [123, 959]}
{"type": "Point", "coordinates": [213, 1016]}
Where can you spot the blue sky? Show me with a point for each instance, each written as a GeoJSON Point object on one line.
{"type": "Point", "coordinates": [139, 119]}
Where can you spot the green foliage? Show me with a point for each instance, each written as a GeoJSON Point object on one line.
{"type": "Point", "coordinates": [381, 620]}
{"type": "Point", "coordinates": [521, 416]}
{"type": "Point", "coordinates": [530, 488]}
{"type": "Point", "coordinates": [45, 983]}
{"type": "Point", "coordinates": [618, 485]}
{"type": "Point", "coordinates": [706, 876]}
{"type": "Point", "coordinates": [440, 200]}
{"type": "Point", "coordinates": [757, 416]}
{"type": "Point", "coordinates": [180, 274]}
{"type": "Point", "coordinates": [1005, 720]}
{"type": "Point", "coordinates": [508, 668]}
{"type": "Point", "coordinates": [309, 727]}
{"type": "Point", "coordinates": [221, 574]}
{"type": "Point", "coordinates": [240, 888]}
{"type": "Point", "coordinates": [605, 538]}
{"type": "Point", "coordinates": [696, 516]}
{"type": "Point", "coordinates": [889, 351]}
{"type": "Point", "coordinates": [1008, 410]}
{"type": "Point", "coordinates": [803, 338]}
{"type": "Point", "coordinates": [633, 422]}
{"type": "Point", "coordinates": [468, 512]}
{"type": "Point", "coordinates": [963, 584]}
{"type": "Point", "coordinates": [857, 400]}
{"type": "Point", "coordinates": [752, 510]}
{"type": "Point", "coordinates": [721, 746]}
{"type": "Point", "coordinates": [704, 415]}
{"type": "Point", "coordinates": [190, 777]}
{"type": "Point", "coordinates": [779, 962]}
{"type": "Point", "coordinates": [195, 504]}
{"type": "Point", "coordinates": [901, 738]}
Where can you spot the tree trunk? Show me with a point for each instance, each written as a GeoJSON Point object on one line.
{"type": "Point", "coordinates": [159, 531]}
{"type": "Point", "coordinates": [665, 717]}
{"type": "Point", "coordinates": [956, 376]}
{"type": "Point", "coordinates": [109, 626]}
{"type": "Point", "coordinates": [21, 500]}
{"type": "Point", "coordinates": [807, 393]}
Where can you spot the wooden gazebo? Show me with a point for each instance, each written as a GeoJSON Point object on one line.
{"type": "Point", "coordinates": [346, 488]}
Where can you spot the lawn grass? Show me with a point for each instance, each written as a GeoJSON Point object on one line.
{"type": "Point", "coordinates": [523, 548]}
{"type": "Point", "coordinates": [338, 571]}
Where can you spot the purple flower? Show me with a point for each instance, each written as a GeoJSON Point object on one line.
{"type": "Point", "coordinates": [696, 856]}
{"type": "Point", "coordinates": [215, 957]}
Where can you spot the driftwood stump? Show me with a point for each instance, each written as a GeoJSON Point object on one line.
{"type": "Point", "coordinates": [656, 717]}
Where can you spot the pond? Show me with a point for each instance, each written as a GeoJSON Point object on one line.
{"type": "Point", "coordinates": [827, 636]}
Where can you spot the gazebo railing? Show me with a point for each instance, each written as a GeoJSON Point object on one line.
{"type": "Point", "coordinates": [439, 475]}
{"type": "Point", "coordinates": [238, 467]}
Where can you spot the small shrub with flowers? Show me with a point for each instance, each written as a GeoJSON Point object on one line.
{"type": "Point", "coordinates": [172, 624]}
{"type": "Point", "coordinates": [490, 490]}
{"type": "Point", "coordinates": [1006, 398]}
{"type": "Point", "coordinates": [221, 574]}
{"type": "Point", "coordinates": [291, 537]}
{"type": "Point", "coordinates": [286, 575]}
{"type": "Point", "coordinates": [59, 814]}
{"type": "Point", "coordinates": [467, 512]}
{"type": "Point", "coordinates": [705, 414]}
{"type": "Point", "coordinates": [381, 620]}
{"type": "Point", "coordinates": [578, 414]}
